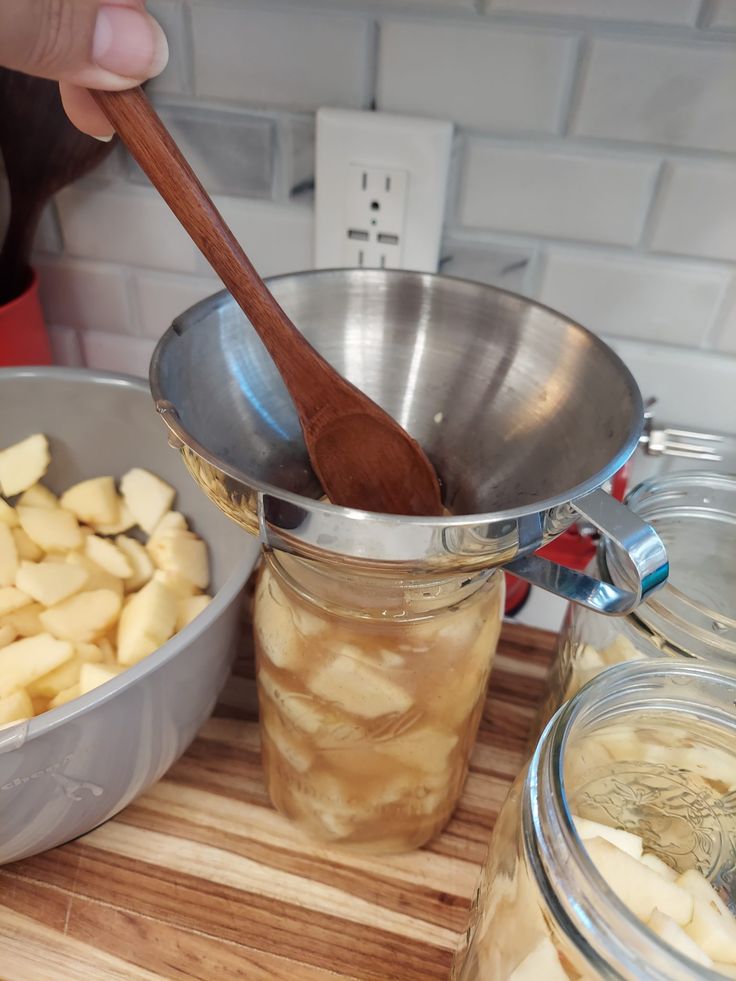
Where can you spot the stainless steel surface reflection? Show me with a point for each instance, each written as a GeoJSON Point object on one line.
{"type": "Point", "coordinates": [523, 412]}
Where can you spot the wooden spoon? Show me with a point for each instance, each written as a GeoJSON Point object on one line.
{"type": "Point", "coordinates": [362, 457]}
{"type": "Point", "coordinates": [43, 152]}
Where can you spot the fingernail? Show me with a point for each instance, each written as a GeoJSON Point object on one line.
{"type": "Point", "coordinates": [102, 139]}
{"type": "Point", "coordinates": [129, 42]}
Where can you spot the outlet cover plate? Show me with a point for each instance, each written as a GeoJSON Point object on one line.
{"type": "Point", "coordinates": [378, 143]}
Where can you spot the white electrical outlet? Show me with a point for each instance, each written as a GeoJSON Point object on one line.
{"type": "Point", "coordinates": [381, 183]}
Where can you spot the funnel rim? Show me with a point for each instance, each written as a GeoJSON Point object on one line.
{"type": "Point", "coordinates": [198, 311]}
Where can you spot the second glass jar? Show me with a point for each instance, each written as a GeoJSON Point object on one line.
{"type": "Point", "coordinates": [371, 689]}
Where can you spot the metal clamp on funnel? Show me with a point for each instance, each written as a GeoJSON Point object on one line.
{"type": "Point", "coordinates": [641, 565]}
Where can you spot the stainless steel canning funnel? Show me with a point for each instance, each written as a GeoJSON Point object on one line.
{"type": "Point", "coordinates": [524, 413]}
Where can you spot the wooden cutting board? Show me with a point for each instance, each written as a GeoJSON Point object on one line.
{"type": "Point", "coordinates": [200, 878]}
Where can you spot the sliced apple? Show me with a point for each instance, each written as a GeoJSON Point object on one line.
{"type": "Point", "coordinates": [25, 660]}
{"type": "Point", "coordinates": [93, 501]}
{"type": "Point", "coordinates": [713, 926]}
{"type": "Point", "coordinates": [147, 622]}
{"type": "Point", "coordinates": [97, 577]}
{"type": "Point", "coordinates": [625, 840]}
{"type": "Point", "coordinates": [425, 748]}
{"type": "Point", "coordinates": [184, 554]}
{"type": "Point", "coordinates": [139, 561]}
{"type": "Point", "coordinates": [189, 608]}
{"type": "Point", "coordinates": [108, 650]}
{"type": "Point", "coordinates": [84, 616]}
{"type": "Point", "coordinates": [171, 521]}
{"type": "Point", "coordinates": [94, 675]}
{"type": "Point", "coordinates": [52, 529]}
{"type": "Point", "coordinates": [658, 866]}
{"type": "Point", "coordinates": [23, 464]}
{"type": "Point", "coordinates": [727, 970]}
{"type": "Point", "coordinates": [15, 707]}
{"type": "Point", "coordinates": [7, 514]}
{"type": "Point", "coordinates": [108, 556]}
{"type": "Point", "coordinates": [7, 634]}
{"type": "Point", "coordinates": [669, 931]}
{"type": "Point", "coordinates": [25, 621]}
{"type": "Point", "coordinates": [26, 548]}
{"type": "Point", "coordinates": [8, 556]}
{"type": "Point", "coordinates": [542, 962]}
{"type": "Point", "coordinates": [50, 582]}
{"type": "Point", "coordinates": [125, 521]}
{"type": "Point", "coordinates": [179, 586]}
{"type": "Point", "coordinates": [359, 689]}
{"type": "Point", "coordinates": [12, 599]}
{"type": "Point", "coordinates": [49, 685]}
{"type": "Point", "coordinates": [68, 695]}
{"type": "Point", "coordinates": [38, 496]}
{"type": "Point", "coordinates": [147, 497]}
{"type": "Point", "coordinates": [637, 886]}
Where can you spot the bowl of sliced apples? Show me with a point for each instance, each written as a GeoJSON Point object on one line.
{"type": "Point", "coordinates": [120, 599]}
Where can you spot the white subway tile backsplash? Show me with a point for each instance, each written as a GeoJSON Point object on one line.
{"type": "Point", "coordinates": [722, 14]}
{"type": "Point", "coordinates": [560, 193]}
{"type": "Point", "coordinates": [131, 225]}
{"type": "Point", "coordinates": [672, 302]}
{"type": "Point", "coordinates": [85, 295]}
{"type": "Point", "coordinates": [110, 352]}
{"type": "Point", "coordinates": [231, 152]}
{"type": "Point", "coordinates": [696, 211]}
{"type": "Point", "coordinates": [277, 238]}
{"type": "Point", "coordinates": [174, 79]}
{"type": "Point", "coordinates": [482, 76]}
{"type": "Point", "coordinates": [726, 340]}
{"type": "Point", "coordinates": [676, 94]}
{"type": "Point", "coordinates": [650, 11]}
{"type": "Point", "coordinates": [65, 346]}
{"type": "Point", "coordinates": [282, 58]}
{"type": "Point", "coordinates": [495, 265]}
{"type": "Point", "coordinates": [161, 297]}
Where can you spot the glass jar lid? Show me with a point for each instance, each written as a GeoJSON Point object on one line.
{"type": "Point", "coordinates": [695, 515]}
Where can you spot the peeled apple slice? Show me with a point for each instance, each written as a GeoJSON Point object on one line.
{"type": "Point", "coordinates": [666, 929]}
{"type": "Point", "coordinates": [84, 616]}
{"type": "Point", "coordinates": [50, 582]}
{"type": "Point", "coordinates": [147, 622]}
{"type": "Point", "coordinates": [139, 561]}
{"type": "Point", "coordinates": [184, 554]}
{"type": "Point", "coordinates": [15, 708]}
{"type": "Point", "coordinates": [660, 867]}
{"type": "Point", "coordinates": [38, 496]}
{"type": "Point", "coordinates": [8, 556]}
{"type": "Point", "coordinates": [7, 634]}
{"type": "Point", "coordinates": [25, 621]}
{"type": "Point", "coordinates": [93, 501]}
{"type": "Point", "coordinates": [713, 926]}
{"type": "Point", "coordinates": [147, 497]}
{"type": "Point", "coordinates": [23, 464]}
{"type": "Point", "coordinates": [125, 521]}
{"type": "Point", "coordinates": [52, 529]}
{"type": "Point", "coordinates": [25, 660]}
{"type": "Point", "coordinates": [108, 556]}
{"type": "Point", "coordinates": [189, 608]}
{"type": "Point", "coordinates": [97, 577]}
{"type": "Point", "coordinates": [65, 696]}
{"type": "Point", "coordinates": [359, 689]}
{"type": "Point", "coordinates": [7, 514]}
{"type": "Point", "coordinates": [638, 886]}
{"type": "Point", "coordinates": [93, 675]}
{"type": "Point", "coordinates": [627, 842]}
{"type": "Point", "coordinates": [12, 599]}
{"type": "Point", "coordinates": [171, 521]}
{"type": "Point", "coordinates": [542, 963]}
{"type": "Point", "coordinates": [26, 548]}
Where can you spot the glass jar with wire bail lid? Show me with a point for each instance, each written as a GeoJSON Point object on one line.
{"type": "Point", "coordinates": [371, 688]}
{"type": "Point", "coordinates": [692, 616]}
{"type": "Point", "coordinates": [614, 855]}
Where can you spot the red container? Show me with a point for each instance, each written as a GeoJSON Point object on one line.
{"type": "Point", "coordinates": [24, 339]}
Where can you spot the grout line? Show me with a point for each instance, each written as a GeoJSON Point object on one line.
{"type": "Point", "coordinates": [574, 82]}
{"type": "Point", "coordinates": [661, 180]}
{"type": "Point", "coordinates": [373, 57]}
{"type": "Point", "coordinates": [704, 14]}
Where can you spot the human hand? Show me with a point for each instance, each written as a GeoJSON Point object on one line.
{"type": "Point", "coordinates": [83, 44]}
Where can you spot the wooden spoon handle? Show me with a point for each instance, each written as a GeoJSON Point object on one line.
{"type": "Point", "coordinates": [151, 145]}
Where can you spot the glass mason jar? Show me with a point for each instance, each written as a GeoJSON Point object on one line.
{"type": "Point", "coordinates": [692, 616]}
{"type": "Point", "coordinates": [614, 856]}
{"type": "Point", "coordinates": [370, 690]}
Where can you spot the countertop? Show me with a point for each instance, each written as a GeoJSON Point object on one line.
{"type": "Point", "coordinates": [201, 878]}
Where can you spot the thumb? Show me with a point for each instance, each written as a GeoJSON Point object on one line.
{"type": "Point", "coordinates": [105, 45]}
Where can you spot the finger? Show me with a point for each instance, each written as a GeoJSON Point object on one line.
{"type": "Point", "coordinates": [84, 112]}
{"type": "Point", "coordinates": [84, 42]}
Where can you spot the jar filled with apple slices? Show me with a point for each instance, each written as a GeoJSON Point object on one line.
{"type": "Point", "coordinates": [370, 691]}
{"type": "Point", "coordinates": [614, 855]}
